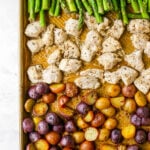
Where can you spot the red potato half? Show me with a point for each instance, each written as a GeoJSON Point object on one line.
{"type": "Point", "coordinates": [91, 134]}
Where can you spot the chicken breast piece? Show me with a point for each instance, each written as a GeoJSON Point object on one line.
{"type": "Point", "coordinates": [147, 49]}
{"type": "Point", "coordinates": [59, 36]}
{"type": "Point", "coordinates": [33, 29]}
{"type": "Point", "coordinates": [70, 50]}
{"type": "Point", "coordinates": [111, 45]}
{"type": "Point", "coordinates": [146, 74]}
{"type": "Point", "coordinates": [108, 60]}
{"type": "Point", "coordinates": [35, 73]}
{"type": "Point", "coordinates": [35, 45]}
{"type": "Point", "coordinates": [139, 40]}
{"type": "Point", "coordinates": [112, 77]}
{"type": "Point", "coordinates": [135, 60]}
{"type": "Point", "coordinates": [128, 75]}
{"type": "Point", "coordinates": [48, 35]}
{"type": "Point", "coordinates": [52, 74]}
{"type": "Point", "coordinates": [117, 29]}
{"type": "Point", "coordinates": [97, 73]}
{"type": "Point", "coordinates": [139, 26]}
{"type": "Point", "coordinates": [87, 82]}
{"type": "Point", "coordinates": [71, 27]}
{"type": "Point", "coordinates": [70, 65]}
{"type": "Point", "coordinates": [54, 57]}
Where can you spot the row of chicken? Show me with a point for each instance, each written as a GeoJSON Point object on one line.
{"type": "Point", "coordinates": [101, 44]}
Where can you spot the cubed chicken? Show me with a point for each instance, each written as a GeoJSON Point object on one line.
{"type": "Point", "coordinates": [33, 29]}
{"type": "Point", "coordinates": [35, 45]}
{"type": "Point", "coordinates": [108, 60]}
{"type": "Point", "coordinates": [94, 72]}
{"type": "Point", "coordinates": [35, 73]}
{"type": "Point", "coordinates": [147, 49]}
{"type": "Point", "coordinates": [135, 60]}
{"type": "Point", "coordinates": [139, 40]}
{"type": "Point", "coordinates": [59, 36]}
{"type": "Point", "coordinates": [52, 74]}
{"type": "Point", "coordinates": [48, 35]}
{"type": "Point", "coordinates": [111, 45]}
{"type": "Point", "coordinates": [71, 27]}
{"type": "Point", "coordinates": [87, 82]}
{"type": "Point", "coordinates": [128, 75]}
{"type": "Point", "coordinates": [117, 29]}
{"type": "Point", "coordinates": [139, 26]}
{"type": "Point", "coordinates": [70, 65]}
{"type": "Point", "coordinates": [146, 74]}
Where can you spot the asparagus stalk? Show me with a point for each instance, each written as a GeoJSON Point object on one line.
{"type": "Point", "coordinates": [57, 8]}
{"type": "Point", "coordinates": [42, 18]}
{"type": "Point", "coordinates": [31, 5]}
{"type": "Point", "coordinates": [45, 4]}
{"type": "Point", "coordinates": [128, 1]}
{"type": "Point", "coordinates": [71, 5]}
{"type": "Point", "coordinates": [63, 5]}
{"type": "Point", "coordinates": [135, 6]}
{"type": "Point", "coordinates": [123, 11]}
{"type": "Point", "coordinates": [143, 8]}
{"type": "Point", "coordinates": [149, 6]}
{"type": "Point", "coordinates": [81, 14]}
{"type": "Point", "coordinates": [107, 5]}
{"type": "Point", "coordinates": [100, 6]}
{"type": "Point", "coordinates": [87, 7]}
{"type": "Point", "coordinates": [52, 8]}
{"type": "Point", "coordinates": [115, 5]}
{"type": "Point", "coordinates": [134, 16]}
{"type": "Point", "coordinates": [98, 17]}
{"type": "Point", "coordinates": [37, 6]}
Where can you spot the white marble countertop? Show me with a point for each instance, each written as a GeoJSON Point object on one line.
{"type": "Point", "coordinates": [9, 75]}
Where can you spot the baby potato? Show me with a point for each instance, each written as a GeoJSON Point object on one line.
{"type": "Point", "coordinates": [130, 106]}
{"type": "Point", "coordinates": [91, 134]}
{"type": "Point", "coordinates": [40, 109]}
{"type": "Point", "coordinates": [30, 146]}
{"type": "Point", "coordinates": [81, 123]}
{"type": "Point", "coordinates": [117, 102]}
{"type": "Point", "coordinates": [57, 87]}
{"type": "Point", "coordinates": [78, 137]}
{"type": "Point", "coordinates": [113, 90]}
{"type": "Point", "coordinates": [128, 132]}
{"type": "Point", "coordinates": [102, 103]}
{"type": "Point", "coordinates": [49, 98]}
{"type": "Point", "coordinates": [36, 121]}
{"type": "Point", "coordinates": [148, 97]}
{"type": "Point", "coordinates": [140, 99]}
{"type": "Point", "coordinates": [62, 100]}
{"type": "Point", "coordinates": [104, 134]}
{"type": "Point", "coordinates": [29, 105]}
{"type": "Point", "coordinates": [109, 112]}
{"type": "Point", "coordinates": [110, 123]}
{"type": "Point", "coordinates": [41, 144]}
{"type": "Point", "coordinates": [89, 116]}
{"type": "Point", "coordinates": [122, 147]}
{"type": "Point", "coordinates": [108, 147]}
{"type": "Point", "coordinates": [87, 145]}
{"type": "Point", "coordinates": [71, 89]}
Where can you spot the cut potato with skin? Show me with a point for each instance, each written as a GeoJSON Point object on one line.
{"type": "Point", "coordinates": [29, 105]}
{"type": "Point", "coordinates": [102, 103]}
{"type": "Point", "coordinates": [109, 112]}
{"type": "Point", "coordinates": [81, 123]}
{"type": "Point", "coordinates": [91, 134]}
{"type": "Point", "coordinates": [89, 116]}
{"type": "Point", "coordinates": [130, 105]}
{"type": "Point", "coordinates": [117, 102]}
{"type": "Point", "coordinates": [57, 88]}
{"type": "Point", "coordinates": [41, 145]}
{"type": "Point", "coordinates": [113, 90]}
{"type": "Point", "coordinates": [108, 147]}
{"type": "Point", "coordinates": [104, 134]}
{"type": "Point", "coordinates": [36, 121]}
{"type": "Point", "coordinates": [140, 99]}
{"type": "Point", "coordinates": [110, 123]}
{"type": "Point", "coordinates": [78, 137]}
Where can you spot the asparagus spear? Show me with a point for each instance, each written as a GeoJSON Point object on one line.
{"type": "Point", "coordinates": [98, 17]}
{"type": "Point", "coordinates": [31, 5]}
{"type": "Point", "coordinates": [128, 1]}
{"type": "Point", "coordinates": [134, 16]}
{"type": "Point", "coordinates": [37, 6]}
{"type": "Point", "coordinates": [57, 8]}
{"type": "Point", "coordinates": [143, 8]}
{"type": "Point", "coordinates": [135, 6]}
{"type": "Point", "coordinates": [149, 6]}
{"type": "Point", "coordinates": [71, 5]}
{"type": "Point", "coordinates": [63, 5]}
{"type": "Point", "coordinates": [107, 5]}
{"type": "Point", "coordinates": [81, 14]}
{"type": "Point", "coordinates": [45, 4]}
{"type": "Point", "coordinates": [123, 11]}
{"type": "Point", "coordinates": [52, 8]}
{"type": "Point", "coordinates": [87, 7]}
{"type": "Point", "coordinates": [100, 6]}
{"type": "Point", "coordinates": [42, 18]}
{"type": "Point", "coordinates": [115, 5]}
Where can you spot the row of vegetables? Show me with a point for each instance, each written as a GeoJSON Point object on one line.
{"type": "Point", "coordinates": [98, 8]}
{"type": "Point", "coordinates": [89, 119]}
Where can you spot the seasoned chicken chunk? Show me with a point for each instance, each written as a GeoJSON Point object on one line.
{"type": "Point", "coordinates": [112, 77]}
{"type": "Point", "coordinates": [35, 45]}
{"type": "Point", "coordinates": [111, 45]}
{"type": "Point", "coordinates": [117, 29]}
{"type": "Point", "coordinates": [52, 74]}
{"type": "Point", "coordinates": [128, 75]}
{"type": "Point", "coordinates": [97, 73]}
{"type": "Point", "coordinates": [135, 60]}
{"type": "Point", "coordinates": [71, 27]}
{"type": "Point", "coordinates": [59, 36]}
{"type": "Point", "coordinates": [54, 57]}
{"type": "Point", "coordinates": [108, 60]}
{"type": "Point", "coordinates": [70, 50]}
{"type": "Point", "coordinates": [139, 26]}
{"type": "Point", "coordinates": [139, 40]}
{"type": "Point", "coordinates": [48, 35]}
{"type": "Point", "coordinates": [35, 73]}
{"type": "Point", "coordinates": [33, 29]}
{"type": "Point", "coordinates": [147, 49]}
{"type": "Point", "coordinates": [143, 81]}
{"type": "Point", "coordinates": [87, 82]}
{"type": "Point", "coordinates": [70, 65]}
